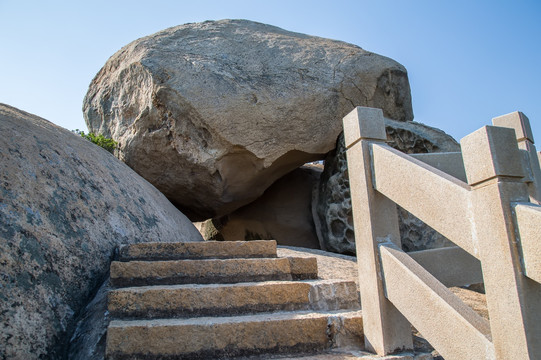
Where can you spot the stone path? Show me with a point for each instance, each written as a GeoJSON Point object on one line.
{"type": "Point", "coordinates": [223, 300]}
{"type": "Point", "coordinates": [200, 301]}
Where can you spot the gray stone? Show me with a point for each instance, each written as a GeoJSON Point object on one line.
{"type": "Point", "coordinates": [332, 209]}
{"type": "Point", "coordinates": [88, 339]}
{"type": "Point", "coordinates": [213, 113]}
{"type": "Point", "coordinates": [65, 204]}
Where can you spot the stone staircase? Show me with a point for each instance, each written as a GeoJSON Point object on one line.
{"type": "Point", "coordinates": [208, 300]}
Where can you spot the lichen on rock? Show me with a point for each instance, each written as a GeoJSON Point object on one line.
{"type": "Point", "coordinates": [65, 204]}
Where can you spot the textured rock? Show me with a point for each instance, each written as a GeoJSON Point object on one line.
{"type": "Point", "coordinates": [175, 301]}
{"type": "Point", "coordinates": [65, 204]}
{"type": "Point", "coordinates": [229, 337]}
{"type": "Point", "coordinates": [213, 113]}
{"type": "Point", "coordinates": [142, 273]}
{"type": "Point", "coordinates": [88, 339]}
{"type": "Point", "coordinates": [199, 250]}
{"type": "Point", "coordinates": [283, 213]}
{"type": "Point", "coordinates": [332, 210]}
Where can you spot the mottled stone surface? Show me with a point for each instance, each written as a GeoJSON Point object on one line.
{"type": "Point", "coordinates": [198, 250]}
{"type": "Point", "coordinates": [65, 204]}
{"type": "Point", "coordinates": [213, 113]}
{"type": "Point", "coordinates": [88, 339]}
{"type": "Point", "coordinates": [191, 300]}
{"type": "Point", "coordinates": [230, 337]}
{"type": "Point", "coordinates": [209, 271]}
{"type": "Point", "coordinates": [332, 210]}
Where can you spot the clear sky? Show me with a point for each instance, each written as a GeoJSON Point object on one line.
{"type": "Point", "coordinates": [468, 61]}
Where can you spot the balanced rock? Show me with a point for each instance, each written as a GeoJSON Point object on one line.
{"type": "Point", "coordinates": [213, 113]}
{"type": "Point", "coordinates": [332, 209]}
{"type": "Point", "coordinates": [65, 205]}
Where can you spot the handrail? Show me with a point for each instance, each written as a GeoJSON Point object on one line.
{"type": "Point", "coordinates": [528, 217]}
{"type": "Point", "coordinates": [490, 217]}
{"type": "Point", "coordinates": [465, 335]}
{"type": "Point", "coordinates": [426, 188]}
{"type": "Point", "coordinates": [450, 163]}
{"type": "Point", "coordinates": [452, 266]}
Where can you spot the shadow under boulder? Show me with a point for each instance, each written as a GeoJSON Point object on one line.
{"type": "Point", "coordinates": [283, 213]}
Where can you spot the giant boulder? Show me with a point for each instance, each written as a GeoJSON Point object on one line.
{"type": "Point", "coordinates": [332, 198]}
{"type": "Point", "coordinates": [213, 113]}
{"type": "Point", "coordinates": [65, 204]}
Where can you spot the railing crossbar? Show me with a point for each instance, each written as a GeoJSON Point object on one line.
{"type": "Point", "coordinates": [415, 292]}
{"type": "Point", "coordinates": [488, 217]}
{"type": "Point", "coordinates": [428, 193]}
{"type": "Point", "coordinates": [452, 266]}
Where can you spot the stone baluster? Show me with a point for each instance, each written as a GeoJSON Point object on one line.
{"type": "Point", "coordinates": [523, 132]}
{"type": "Point", "coordinates": [375, 221]}
{"type": "Point", "coordinates": [494, 169]}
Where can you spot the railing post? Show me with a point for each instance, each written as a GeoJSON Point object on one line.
{"type": "Point", "coordinates": [375, 221]}
{"type": "Point", "coordinates": [494, 170]}
{"type": "Point", "coordinates": [521, 124]}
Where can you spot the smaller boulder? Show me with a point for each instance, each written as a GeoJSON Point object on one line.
{"type": "Point", "coordinates": [332, 209]}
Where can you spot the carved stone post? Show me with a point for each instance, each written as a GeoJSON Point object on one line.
{"type": "Point", "coordinates": [521, 124]}
{"type": "Point", "coordinates": [494, 169]}
{"type": "Point", "coordinates": [375, 221]}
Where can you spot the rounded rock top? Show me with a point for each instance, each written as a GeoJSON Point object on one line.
{"type": "Point", "coordinates": [213, 113]}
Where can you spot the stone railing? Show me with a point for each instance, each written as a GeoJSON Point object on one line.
{"type": "Point", "coordinates": [485, 200]}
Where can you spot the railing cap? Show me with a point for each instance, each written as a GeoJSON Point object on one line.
{"type": "Point", "coordinates": [364, 123]}
{"type": "Point", "coordinates": [491, 152]}
{"type": "Point", "coordinates": [517, 121]}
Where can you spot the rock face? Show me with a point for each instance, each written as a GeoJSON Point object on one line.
{"type": "Point", "coordinates": [283, 213]}
{"type": "Point", "coordinates": [213, 113]}
{"type": "Point", "coordinates": [65, 204]}
{"type": "Point", "coordinates": [332, 210]}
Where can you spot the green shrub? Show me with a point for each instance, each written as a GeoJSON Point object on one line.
{"type": "Point", "coordinates": [100, 140]}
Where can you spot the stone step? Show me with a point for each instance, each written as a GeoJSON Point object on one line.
{"type": "Point", "coordinates": [345, 354]}
{"type": "Point", "coordinates": [198, 250]}
{"type": "Point", "coordinates": [218, 337]}
{"type": "Point", "coordinates": [171, 272]}
{"type": "Point", "coordinates": [175, 301]}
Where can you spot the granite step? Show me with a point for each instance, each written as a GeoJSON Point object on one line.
{"type": "Point", "coordinates": [225, 337]}
{"type": "Point", "coordinates": [345, 354]}
{"type": "Point", "coordinates": [171, 272]}
{"type": "Point", "coordinates": [175, 301]}
{"type": "Point", "coordinates": [198, 250]}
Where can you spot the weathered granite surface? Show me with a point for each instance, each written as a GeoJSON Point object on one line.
{"type": "Point", "coordinates": [330, 266]}
{"type": "Point", "coordinates": [332, 209]}
{"type": "Point", "coordinates": [65, 204]}
{"type": "Point", "coordinates": [213, 113]}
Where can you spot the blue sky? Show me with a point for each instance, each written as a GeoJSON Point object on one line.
{"type": "Point", "coordinates": [468, 61]}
